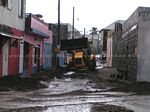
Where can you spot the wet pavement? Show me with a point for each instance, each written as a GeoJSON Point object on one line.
{"type": "Point", "coordinates": [69, 95]}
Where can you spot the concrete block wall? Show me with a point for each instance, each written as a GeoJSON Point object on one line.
{"type": "Point", "coordinates": [133, 47]}
{"type": "Point", "coordinates": [116, 37]}
{"type": "Point", "coordinates": [126, 49]}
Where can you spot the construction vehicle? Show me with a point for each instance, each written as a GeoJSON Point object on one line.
{"type": "Point", "coordinates": [80, 55]}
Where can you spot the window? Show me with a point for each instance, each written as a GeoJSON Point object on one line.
{"type": "Point", "coordinates": [3, 2]}
{"type": "Point", "coordinates": [36, 55]}
{"type": "Point", "coordinates": [20, 8]}
{"type": "Point", "coordinates": [9, 5]}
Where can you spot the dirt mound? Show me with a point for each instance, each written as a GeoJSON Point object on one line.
{"type": "Point", "coordinates": [103, 80]}
{"type": "Point", "coordinates": [136, 87]}
{"type": "Point", "coordinates": [109, 108]}
{"type": "Point", "coordinates": [21, 84]}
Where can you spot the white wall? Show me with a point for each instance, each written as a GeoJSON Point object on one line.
{"type": "Point", "coordinates": [10, 17]}
{"type": "Point", "coordinates": [143, 68]}
{"type": "Point", "coordinates": [109, 52]}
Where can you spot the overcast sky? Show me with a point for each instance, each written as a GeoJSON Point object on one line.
{"type": "Point", "coordinates": [88, 13]}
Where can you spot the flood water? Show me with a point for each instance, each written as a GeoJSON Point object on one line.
{"type": "Point", "coordinates": [69, 95]}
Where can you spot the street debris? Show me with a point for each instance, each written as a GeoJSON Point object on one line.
{"type": "Point", "coordinates": [17, 83]}
{"type": "Point", "coordinates": [109, 108]}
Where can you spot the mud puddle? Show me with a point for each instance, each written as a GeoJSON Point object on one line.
{"type": "Point", "coordinates": [136, 103]}
{"type": "Point", "coordinates": [60, 95]}
{"type": "Point", "coordinates": [69, 95]}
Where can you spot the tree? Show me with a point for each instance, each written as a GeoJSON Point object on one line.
{"type": "Point", "coordinates": [93, 32]}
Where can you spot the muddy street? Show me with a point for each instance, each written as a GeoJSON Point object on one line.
{"type": "Point", "coordinates": [73, 93]}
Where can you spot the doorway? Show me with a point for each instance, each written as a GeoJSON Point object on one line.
{"type": "Point", "coordinates": [37, 58]}
{"type": "Point", "coordinates": [5, 58]}
{"type": "Point", "coordinates": [26, 58]}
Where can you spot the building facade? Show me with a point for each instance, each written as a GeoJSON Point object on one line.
{"type": "Point", "coordinates": [109, 48]}
{"type": "Point", "coordinates": [65, 33]}
{"type": "Point", "coordinates": [12, 24]}
{"type": "Point", "coordinates": [103, 33]}
{"type": "Point", "coordinates": [112, 40]}
{"type": "Point", "coordinates": [133, 63]}
{"type": "Point", "coordinates": [37, 45]}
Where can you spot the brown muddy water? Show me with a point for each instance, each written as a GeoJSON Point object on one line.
{"type": "Point", "coordinates": [69, 95]}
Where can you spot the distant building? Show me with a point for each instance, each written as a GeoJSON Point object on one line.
{"type": "Point", "coordinates": [112, 40]}
{"type": "Point", "coordinates": [112, 26]}
{"type": "Point", "coordinates": [110, 48]}
{"type": "Point", "coordinates": [69, 31]}
{"type": "Point", "coordinates": [65, 33]}
{"type": "Point", "coordinates": [108, 42]}
{"type": "Point", "coordinates": [103, 34]}
{"type": "Point", "coordinates": [56, 41]}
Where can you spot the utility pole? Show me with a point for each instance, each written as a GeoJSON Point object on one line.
{"type": "Point", "coordinates": [84, 32]}
{"type": "Point", "coordinates": [73, 24]}
{"type": "Point", "coordinates": [58, 38]}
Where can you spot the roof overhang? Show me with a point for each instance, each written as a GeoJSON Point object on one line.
{"type": "Point", "coordinates": [36, 32]}
{"type": "Point", "coordinates": [8, 35]}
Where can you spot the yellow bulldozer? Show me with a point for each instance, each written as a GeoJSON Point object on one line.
{"type": "Point", "coordinates": [80, 55]}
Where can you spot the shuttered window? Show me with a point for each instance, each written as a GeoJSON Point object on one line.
{"type": "Point", "coordinates": [20, 8]}
{"type": "Point", "coordinates": [9, 4]}
{"type": "Point", "coordinates": [3, 2]}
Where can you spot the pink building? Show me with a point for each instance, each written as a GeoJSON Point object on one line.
{"type": "Point", "coordinates": [37, 34]}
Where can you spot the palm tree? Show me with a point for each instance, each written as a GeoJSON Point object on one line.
{"type": "Point", "coordinates": [93, 32]}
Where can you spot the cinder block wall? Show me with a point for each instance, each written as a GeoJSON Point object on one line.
{"type": "Point", "coordinates": [126, 48]}
{"type": "Point", "coordinates": [133, 49]}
